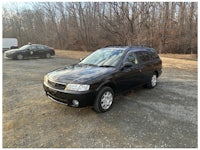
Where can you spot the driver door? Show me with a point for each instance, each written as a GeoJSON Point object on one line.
{"type": "Point", "coordinates": [32, 50]}
{"type": "Point", "coordinates": [129, 76]}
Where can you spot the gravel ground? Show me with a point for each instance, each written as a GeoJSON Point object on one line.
{"type": "Point", "coordinates": [165, 116]}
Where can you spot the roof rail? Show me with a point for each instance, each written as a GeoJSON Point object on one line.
{"type": "Point", "coordinates": [127, 46]}
{"type": "Point", "coordinates": [139, 46]}
{"type": "Point", "coordinates": [115, 45]}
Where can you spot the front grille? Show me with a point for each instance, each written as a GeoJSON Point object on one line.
{"type": "Point", "coordinates": [56, 85]}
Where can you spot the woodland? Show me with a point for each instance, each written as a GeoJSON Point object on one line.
{"type": "Point", "coordinates": [169, 27]}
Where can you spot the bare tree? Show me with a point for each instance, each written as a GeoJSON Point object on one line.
{"type": "Point", "coordinates": [166, 26]}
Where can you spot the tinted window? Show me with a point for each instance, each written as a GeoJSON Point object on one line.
{"type": "Point", "coordinates": [144, 56]}
{"type": "Point", "coordinates": [152, 52]}
{"type": "Point", "coordinates": [40, 47]}
{"type": "Point", "coordinates": [32, 47]}
{"type": "Point", "coordinates": [131, 57]}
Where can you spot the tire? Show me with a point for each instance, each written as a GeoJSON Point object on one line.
{"type": "Point", "coordinates": [104, 100]}
{"type": "Point", "coordinates": [48, 55]}
{"type": "Point", "coordinates": [20, 56]}
{"type": "Point", "coordinates": [153, 81]}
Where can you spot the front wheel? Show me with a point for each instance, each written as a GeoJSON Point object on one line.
{"type": "Point", "coordinates": [20, 56]}
{"type": "Point", "coordinates": [153, 81]}
{"type": "Point", "coordinates": [104, 100]}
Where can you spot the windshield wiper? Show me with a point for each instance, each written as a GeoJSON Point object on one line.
{"type": "Point", "coordinates": [87, 64]}
{"type": "Point", "coordinates": [106, 66]}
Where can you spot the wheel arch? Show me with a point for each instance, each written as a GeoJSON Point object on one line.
{"type": "Point", "coordinates": [109, 84]}
{"type": "Point", "coordinates": [104, 103]}
{"type": "Point", "coordinates": [16, 54]}
{"type": "Point", "coordinates": [156, 72]}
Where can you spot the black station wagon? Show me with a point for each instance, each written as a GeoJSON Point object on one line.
{"type": "Point", "coordinates": [101, 75]}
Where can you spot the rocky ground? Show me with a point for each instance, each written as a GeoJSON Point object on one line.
{"type": "Point", "coordinates": [165, 116]}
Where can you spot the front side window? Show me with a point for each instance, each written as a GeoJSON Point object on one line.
{"type": "Point", "coordinates": [33, 47]}
{"type": "Point", "coordinates": [131, 57]}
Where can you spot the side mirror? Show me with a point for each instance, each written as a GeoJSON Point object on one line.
{"type": "Point", "coordinates": [80, 59]}
{"type": "Point", "coordinates": [127, 65]}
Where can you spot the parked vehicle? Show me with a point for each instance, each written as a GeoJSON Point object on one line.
{"type": "Point", "coordinates": [104, 73]}
{"type": "Point", "coordinates": [30, 51]}
{"type": "Point", "coordinates": [9, 43]}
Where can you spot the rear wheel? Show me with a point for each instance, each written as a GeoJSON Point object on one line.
{"type": "Point", "coordinates": [153, 81]}
{"type": "Point", "coordinates": [48, 55]}
{"type": "Point", "coordinates": [20, 56]}
{"type": "Point", "coordinates": [104, 100]}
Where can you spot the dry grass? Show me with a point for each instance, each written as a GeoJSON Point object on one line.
{"type": "Point", "coordinates": [180, 61]}
{"type": "Point", "coordinates": [71, 54]}
{"type": "Point", "coordinates": [180, 56]}
{"type": "Point", "coordinates": [184, 64]}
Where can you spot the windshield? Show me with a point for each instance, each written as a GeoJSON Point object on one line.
{"type": "Point", "coordinates": [104, 57]}
{"type": "Point", "coordinates": [24, 47]}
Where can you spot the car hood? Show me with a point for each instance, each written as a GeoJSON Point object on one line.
{"type": "Point", "coordinates": [79, 73]}
{"type": "Point", "coordinates": [12, 50]}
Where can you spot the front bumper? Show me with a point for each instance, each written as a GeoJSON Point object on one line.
{"type": "Point", "coordinates": [85, 98]}
{"type": "Point", "coordinates": [8, 55]}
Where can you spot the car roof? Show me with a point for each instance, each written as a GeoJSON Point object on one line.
{"type": "Point", "coordinates": [36, 44]}
{"type": "Point", "coordinates": [133, 48]}
{"type": "Point", "coordinates": [116, 47]}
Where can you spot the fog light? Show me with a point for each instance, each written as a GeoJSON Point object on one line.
{"type": "Point", "coordinates": [75, 103]}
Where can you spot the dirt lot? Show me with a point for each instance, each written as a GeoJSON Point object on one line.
{"type": "Point", "coordinates": [165, 116]}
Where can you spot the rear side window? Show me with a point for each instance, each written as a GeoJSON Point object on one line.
{"type": "Point", "coordinates": [153, 53]}
{"type": "Point", "coordinates": [144, 56]}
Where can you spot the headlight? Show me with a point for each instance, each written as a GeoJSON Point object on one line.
{"type": "Point", "coordinates": [77, 87]}
{"type": "Point", "coordinates": [45, 79]}
{"type": "Point", "coordinates": [9, 53]}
